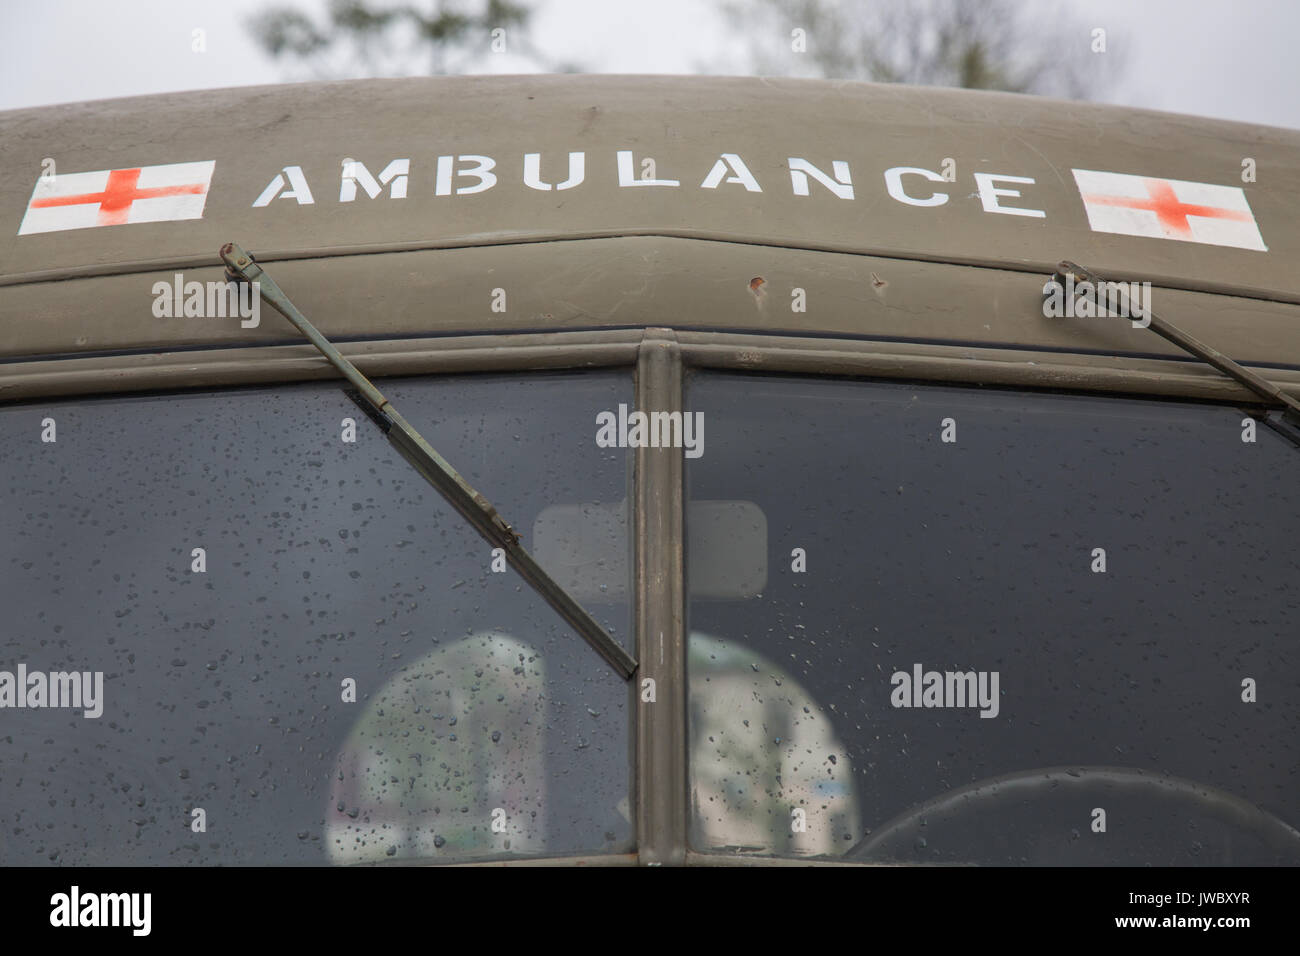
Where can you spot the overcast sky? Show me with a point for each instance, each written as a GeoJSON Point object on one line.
{"type": "Point", "coordinates": [1232, 59]}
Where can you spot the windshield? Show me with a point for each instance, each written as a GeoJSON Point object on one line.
{"type": "Point", "coordinates": [997, 627]}
{"type": "Point", "coordinates": [304, 654]}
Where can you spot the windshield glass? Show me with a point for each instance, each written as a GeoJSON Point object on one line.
{"type": "Point", "coordinates": [997, 627]}
{"type": "Point", "coordinates": [298, 651]}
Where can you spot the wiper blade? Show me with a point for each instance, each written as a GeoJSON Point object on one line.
{"type": "Point", "coordinates": [241, 267]}
{"type": "Point", "coordinates": [1289, 426]}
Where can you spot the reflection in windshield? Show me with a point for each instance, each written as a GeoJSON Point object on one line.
{"type": "Point", "coordinates": [762, 748]}
{"type": "Point", "coordinates": [448, 741]}
{"type": "Point", "coordinates": [1019, 818]}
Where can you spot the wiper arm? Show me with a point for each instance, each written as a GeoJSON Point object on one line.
{"type": "Point", "coordinates": [240, 267]}
{"type": "Point", "coordinates": [1212, 356]}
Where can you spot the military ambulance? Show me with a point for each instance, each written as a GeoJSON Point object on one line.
{"type": "Point", "coordinates": [626, 470]}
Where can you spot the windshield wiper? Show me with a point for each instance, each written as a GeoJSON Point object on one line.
{"type": "Point", "coordinates": [1287, 424]}
{"type": "Point", "coordinates": [240, 267]}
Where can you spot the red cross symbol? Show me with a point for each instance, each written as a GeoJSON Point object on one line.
{"type": "Point", "coordinates": [116, 199]}
{"type": "Point", "coordinates": [1164, 203]}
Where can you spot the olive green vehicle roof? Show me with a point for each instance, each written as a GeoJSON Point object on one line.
{"type": "Point", "coordinates": [607, 254]}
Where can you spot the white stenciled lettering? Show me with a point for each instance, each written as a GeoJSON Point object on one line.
{"type": "Point", "coordinates": [894, 184]}
{"type": "Point", "coordinates": [627, 173]}
{"type": "Point", "coordinates": [295, 178]}
{"type": "Point", "coordinates": [801, 169]}
{"type": "Point", "coordinates": [533, 171]}
{"type": "Point", "coordinates": [740, 174]}
{"type": "Point", "coordinates": [990, 194]}
{"type": "Point", "coordinates": [481, 170]}
{"type": "Point", "coordinates": [355, 174]}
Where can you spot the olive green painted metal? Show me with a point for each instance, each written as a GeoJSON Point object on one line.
{"type": "Point", "coordinates": [635, 283]}
{"type": "Point", "coordinates": [1266, 390]}
{"type": "Point", "coordinates": [435, 469]}
{"type": "Point", "coordinates": [210, 368]}
{"type": "Point", "coordinates": [684, 124]}
{"type": "Point", "coordinates": [661, 783]}
{"type": "Point", "coordinates": [604, 255]}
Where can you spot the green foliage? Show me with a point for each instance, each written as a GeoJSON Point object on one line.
{"type": "Point", "coordinates": [366, 36]}
{"type": "Point", "coordinates": [1020, 46]}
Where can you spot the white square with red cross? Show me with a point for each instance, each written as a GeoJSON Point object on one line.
{"type": "Point", "coordinates": [114, 197]}
{"type": "Point", "coordinates": [1168, 209]}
